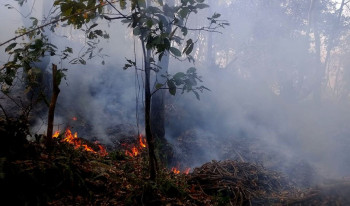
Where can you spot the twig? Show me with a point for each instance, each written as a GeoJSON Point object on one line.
{"type": "Point", "coordinates": [49, 23]}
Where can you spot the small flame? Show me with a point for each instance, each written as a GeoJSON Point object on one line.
{"type": "Point", "coordinates": [56, 134]}
{"type": "Point", "coordinates": [175, 170]}
{"type": "Point", "coordinates": [142, 141]}
{"type": "Point", "coordinates": [136, 149]}
{"type": "Point", "coordinates": [133, 153]}
{"type": "Point", "coordinates": [74, 118]}
{"type": "Point", "coordinates": [102, 150]}
{"type": "Point", "coordinates": [187, 171]}
{"type": "Point", "coordinates": [77, 143]}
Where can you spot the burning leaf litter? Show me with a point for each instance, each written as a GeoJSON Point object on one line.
{"type": "Point", "coordinates": [74, 140]}
{"type": "Point", "coordinates": [135, 149]}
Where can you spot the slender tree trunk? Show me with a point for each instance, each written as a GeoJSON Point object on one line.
{"type": "Point", "coordinates": [158, 115]}
{"type": "Point", "coordinates": [158, 105]}
{"type": "Point", "coordinates": [319, 67]}
{"type": "Point", "coordinates": [153, 163]}
{"type": "Point", "coordinates": [51, 116]}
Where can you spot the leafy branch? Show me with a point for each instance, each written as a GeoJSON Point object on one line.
{"type": "Point", "coordinates": [52, 22]}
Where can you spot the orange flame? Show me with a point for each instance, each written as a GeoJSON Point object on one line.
{"type": "Point", "coordinates": [56, 134]}
{"type": "Point", "coordinates": [133, 153]}
{"type": "Point", "coordinates": [175, 170]}
{"type": "Point", "coordinates": [77, 143]}
{"type": "Point", "coordinates": [136, 149]}
{"type": "Point", "coordinates": [74, 140]}
{"type": "Point", "coordinates": [187, 171]}
{"type": "Point", "coordinates": [102, 150]}
{"type": "Point", "coordinates": [142, 141]}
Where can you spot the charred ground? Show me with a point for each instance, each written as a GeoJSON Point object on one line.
{"type": "Point", "coordinates": [33, 175]}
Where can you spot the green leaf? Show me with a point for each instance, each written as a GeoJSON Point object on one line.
{"type": "Point", "coordinates": [68, 49]}
{"type": "Point", "coordinates": [149, 23]}
{"type": "Point", "coordinates": [184, 12]}
{"type": "Point", "coordinates": [178, 78]}
{"type": "Point", "coordinates": [136, 31]}
{"type": "Point", "coordinates": [202, 6]}
{"type": "Point", "coordinates": [122, 4]}
{"type": "Point", "coordinates": [175, 51]}
{"type": "Point", "coordinates": [184, 31]}
{"type": "Point", "coordinates": [189, 50]}
{"type": "Point", "coordinates": [98, 32]}
{"type": "Point", "coordinates": [82, 61]}
{"type": "Point", "coordinates": [197, 95]}
{"type": "Point", "coordinates": [35, 21]}
{"type": "Point", "coordinates": [126, 21]}
{"type": "Point", "coordinates": [126, 66]}
{"type": "Point", "coordinates": [179, 75]}
{"type": "Point", "coordinates": [92, 26]}
{"type": "Point", "coordinates": [172, 87]}
{"type": "Point", "coordinates": [216, 15]}
{"type": "Point", "coordinates": [158, 86]}
{"type": "Point", "coordinates": [189, 47]}
{"type": "Point", "coordinates": [10, 47]}
{"type": "Point", "coordinates": [191, 70]}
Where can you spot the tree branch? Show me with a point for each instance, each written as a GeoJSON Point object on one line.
{"type": "Point", "coordinates": [49, 23]}
{"type": "Point", "coordinates": [120, 13]}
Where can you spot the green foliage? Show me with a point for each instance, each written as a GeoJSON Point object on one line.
{"type": "Point", "coordinates": [129, 64]}
{"type": "Point", "coordinates": [79, 12]}
{"type": "Point", "coordinates": [187, 82]}
{"type": "Point", "coordinates": [24, 55]}
{"type": "Point", "coordinates": [149, 23]}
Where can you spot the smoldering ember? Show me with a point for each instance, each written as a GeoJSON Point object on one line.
{"type": "Point", "coordinates": [175, 102]}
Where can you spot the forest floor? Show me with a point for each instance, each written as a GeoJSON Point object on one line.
{"type": "Point", "coordinates": [31, 174]}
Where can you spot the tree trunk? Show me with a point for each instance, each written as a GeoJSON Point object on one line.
{"type": "Point", "coordinates": [153, 163]}
{"type": "Point", "coordinates": [158, 105]}
{"type": "Point", "coordinates": [158, 115]}
{"type": "Point", "coordinates": [322, 67]}
{"type": "Point", "coordinates": [51, 116]}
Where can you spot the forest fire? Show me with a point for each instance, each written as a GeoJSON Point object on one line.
{"type": "Point", "coordinates": [77, 142]}
{"type": "Point", "coordinates": [136, 149]}
{"type": "Point", "coordinates": [187, 171]}
{"type": "Point", "coordinates": [56, 134]}
{"type": "Point", "coordinates": [177, 171]}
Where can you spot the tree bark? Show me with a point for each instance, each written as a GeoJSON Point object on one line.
{"type": "Point", "coordinates": [51, 116]}
{"type": "Point", "coordinates": [158, 105]}
{"type": "Point", "coordinates": [153, 163]}
{"type": "Point", "coordinates": [322, 67]}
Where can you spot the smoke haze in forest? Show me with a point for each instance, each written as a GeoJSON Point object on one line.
{"type": "Point", "coordinates": [268, 72]}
